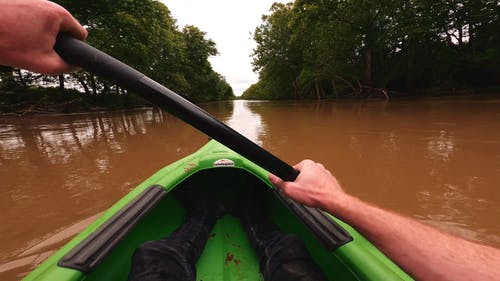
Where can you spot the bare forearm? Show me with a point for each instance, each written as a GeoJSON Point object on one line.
{"type": "Point", "coordinates": [424, 252]}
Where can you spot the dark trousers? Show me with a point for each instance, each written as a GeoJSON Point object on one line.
{"type": "Point", "coordinates": [282, 256]}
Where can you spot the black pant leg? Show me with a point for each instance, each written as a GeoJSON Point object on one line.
{"type": "Point", "coordinates": [173, 258]}
{"type": "Point", "coordinates": [287, 258]}
{"type": "Point", "coordinates": [160, 261]}
{"type": "Point", "coordinates": [282, 256]}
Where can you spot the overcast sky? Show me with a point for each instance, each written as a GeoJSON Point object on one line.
{"type": "Point", "coordinates": [229, 23]}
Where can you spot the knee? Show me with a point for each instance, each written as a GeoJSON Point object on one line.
{"type": "Point", "coordinates": [158, 249]}
{"type": "Point", "coordinates": [291, 260]}
{"type": "Point", "coordinates": [291, 246]}
{"type": "Point", "coordinates": [303, 270]}
{"type": "Point", "coordinates": [162, 259]}
{"type": "Point", "coordinates": [148, 246]}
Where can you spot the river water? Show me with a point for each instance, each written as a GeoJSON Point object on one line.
{"type": "Point", "coordinates": [436, 160]}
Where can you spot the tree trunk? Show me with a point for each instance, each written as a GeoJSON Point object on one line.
{"type": "Point", "coordinates": [106, 89]}
{"type": "Point", "coordinates": [21, 78]}
{"type": "Point", "coordinates": [93, 84]}
{"type": "Point", "coordinates": [368, 66]}
{"type": "Point", "coordinates": [472, 28]}
{"type": "Point", "coordinates": [295, 88]}
{"type": "Point", "coordinates": [61, 82]}
{"type": "Point", "coordinates": [460, 36]}
{"type": "Point", "coordinates": [411, 79]}
{"type": "Point", "coordinates": [82, 82]}
{"type": "Point", "coordinates": [318, 93]}
{"type": "Point", "coordinates": [334, 86]}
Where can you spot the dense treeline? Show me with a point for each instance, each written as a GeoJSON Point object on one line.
{"type": "Point", "coordinates": [314, 49]}
{"type": "Point", "coordinates": [144, 35]}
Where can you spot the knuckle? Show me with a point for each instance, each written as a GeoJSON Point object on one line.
{"type": "Point", "coordinates": [307, 162]}
{"type": "Point", "coordinates": [51, 11]}
{"type": "Point", "coordinates": [55, 13]}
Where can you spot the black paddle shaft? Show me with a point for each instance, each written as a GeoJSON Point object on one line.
{"type": "Point", "coordinates": [83, 55]}
{"type": "Point", "coordinates": [80, 54]}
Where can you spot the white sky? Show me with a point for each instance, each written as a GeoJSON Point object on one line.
{"type": "Point", "coordinates": [229, 23]}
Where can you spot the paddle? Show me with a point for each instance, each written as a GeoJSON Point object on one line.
{"type": "Point", "coordinates": [81, 54]}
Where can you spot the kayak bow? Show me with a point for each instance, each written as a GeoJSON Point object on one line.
{"type": "Point", "coordinates": [150, 211]}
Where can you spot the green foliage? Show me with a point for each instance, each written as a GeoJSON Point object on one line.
{"type": "Point", "coordinates": [143, 34]}
{"type": "Point", "coordinates": [277, 60]}
{"type": "Point", "coordinates": [311, 48]}
{"type": "Point", "coordinates": [258, 91]}
{"type": "Point", "coordinates": [204, 83]}
{"type": "Point", "coordinates": [52, 100]}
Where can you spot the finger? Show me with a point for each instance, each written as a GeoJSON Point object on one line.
{"type": "Point", "coordinates": [321, 165]}
{"type": "Point", "coordinates": [70, 25]}
{"type": "Point", "coordinates": [276, 181]}
{"type": "Point", "coordinates": [292, 191]}
{"type": "Point", "coordinates": [302, 164]}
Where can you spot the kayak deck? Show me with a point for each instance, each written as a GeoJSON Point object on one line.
{"type": "Point", "coordinates": [228, 254]}
{"type": "Point", "coordinates": [151, 211]}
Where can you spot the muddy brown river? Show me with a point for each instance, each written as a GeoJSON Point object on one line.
{"type": "Point", "coordinates": [436, 160]}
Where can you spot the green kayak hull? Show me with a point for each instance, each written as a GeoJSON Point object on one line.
{"type": "Point", "coordinates": [150, 211]}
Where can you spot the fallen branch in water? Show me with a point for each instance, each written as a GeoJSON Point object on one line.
{"type": "Point", "coordinates": [366, 90]}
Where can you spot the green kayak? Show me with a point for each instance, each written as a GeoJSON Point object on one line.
{"type": "Point", "coordinates": [150, 211]}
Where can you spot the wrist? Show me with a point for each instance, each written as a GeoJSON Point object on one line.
{"type": "Point", "coordinates": [340, 205]}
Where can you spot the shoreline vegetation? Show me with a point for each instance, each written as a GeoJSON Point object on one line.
{"type": "Point", "coordinates": [141, 33]}
{"type": "Point", "coordinates": [37, 101]}
{"type": "Point", "coordinates": [306, 50]}
{"type": "Point", "coordinates": [366, 49]}
{"type": "Point", "coordinates": [390, 95]}
{"type": "Point", "coordinates": [52, 100]}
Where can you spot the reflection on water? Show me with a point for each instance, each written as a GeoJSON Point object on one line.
{"type": "Point", "coordinates": [390, 142]}
{"type": "Point", "coordinates": [441, 147]}
{"type": "Point", "coordinates": [437, 160]}
{"type": "Point", "coordinates": [246, 122]}
{"type": "Point", "coordinates": [59, 143]}
{"type": "Point", "coordinates": [57, 170]}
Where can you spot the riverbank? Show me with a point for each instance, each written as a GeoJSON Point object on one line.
{"type": "Point", "coordinates": [53, 100]}
{"type": "Point", "coordinates": [33, 101]}
{"type": "Point", "coordinates": [390, 95]}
